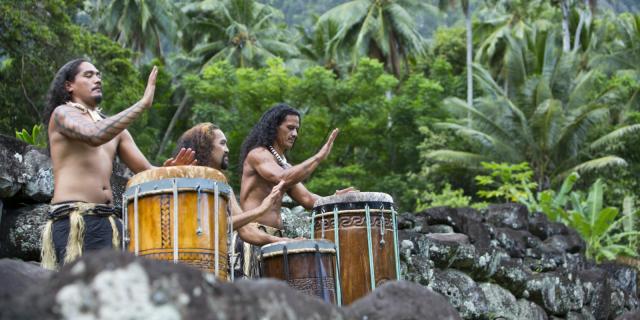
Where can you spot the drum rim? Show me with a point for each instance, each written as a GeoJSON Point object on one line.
{"type": "Point", "coordinates": [276, 248]}
{"type": "Point", "coordinates": [341, 198]}
{"type": "Point", "coordinates": [163, 186]}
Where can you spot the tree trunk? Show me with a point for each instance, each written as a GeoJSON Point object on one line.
{"type": "Point", "coordinates": [585, 19]}
{"type": "Point", "coordinates": [467, 15]}
{"type": "Point", "coordinates": [566, 37]}
{"type": "Point", "coordinates": [172, 124]}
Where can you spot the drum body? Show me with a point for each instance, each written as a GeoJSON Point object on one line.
{"type": "Point", "coordinates": [306, 265]}
{"type": "Point", "coordinates": [179, 214]}
{"type": "Point", "coordinates": [363, 227]}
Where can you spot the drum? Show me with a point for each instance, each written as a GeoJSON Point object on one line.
{"type": "Point", "coordinates": [179, 214]}
{"type": "Point", "coordinates": [363, 227]}
{"type": "Point", "coordinates": [306, 265]}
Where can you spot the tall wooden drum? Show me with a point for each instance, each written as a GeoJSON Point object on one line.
{"type": "Point", "coordinates": [363, 227]}
{"type": "Point", "coordinates": [179, 214]}
{"type": "Point", "coordinates": [306, 265]}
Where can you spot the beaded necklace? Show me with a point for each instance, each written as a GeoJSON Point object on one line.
{"type": "Point", "coordinates": [282, 161]}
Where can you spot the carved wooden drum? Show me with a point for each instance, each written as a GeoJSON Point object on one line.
{"type": "Point", "coordinates": [179, 214]}
{"type": "Point", "coordinates": [306, 265]}
{"type": "Point", "coordinates": [363, 227]}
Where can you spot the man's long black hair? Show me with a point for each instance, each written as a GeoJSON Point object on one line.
{"type": "Point", "coordinates": [264, 133]}
{"type": "Point", "coordinates": [58, 94]}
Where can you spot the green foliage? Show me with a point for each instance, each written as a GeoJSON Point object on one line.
{"type": "Point", "coordinates": [36, 137]}
{"type": "Point", "coordinates": [446, 197]}
{"type": "Point", "coordinates": [509, 182]}
{"type": "Point", "coordinates": [600, 226]}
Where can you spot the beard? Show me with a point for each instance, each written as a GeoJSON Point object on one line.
{"type": "Point", "coordinates": [224, 162]}
{"type": "Point", "coordinates": [97, 99]}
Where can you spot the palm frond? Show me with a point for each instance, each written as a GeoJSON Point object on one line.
{"type": "Point", "coordinates": [614, 136]}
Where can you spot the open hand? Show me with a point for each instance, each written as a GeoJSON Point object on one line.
{"type": "Point", "coordinates": [326, 149]}
{"type": "Point", "coordinates": [147, 98]}
{"type": "Point", "coordinates": [275, 197]}
{"type": "Point", "coordinates": [184, 158]}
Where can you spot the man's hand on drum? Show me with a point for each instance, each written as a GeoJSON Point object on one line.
{"type": "Point", "coordinates": [346, 190]}
{"type": "Point", "coordinates": [185, 157]}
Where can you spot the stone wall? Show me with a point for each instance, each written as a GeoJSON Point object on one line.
{"type": "Point", "coordinates": [503, 263]}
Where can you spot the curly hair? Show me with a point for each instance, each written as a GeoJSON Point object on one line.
{"type": "Point", "coordinates": [265, 131]}
{"type": "Point", "coordinates": [58, 94]}
{"type": "Point", "coordinates": [200, 139]}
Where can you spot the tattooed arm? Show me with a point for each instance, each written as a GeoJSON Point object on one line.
{"type": "Point", "coordinates": [72, 123]}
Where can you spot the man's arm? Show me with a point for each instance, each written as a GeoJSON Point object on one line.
{"type": "Point", "coordinates": [240, 218]}
{"type": "Point", "coordinates": [303, 196]}
{"type": "Point", "coordinates": [266, 166]}
{"type": "Point", "coordinates": [72, 123]}
{"type": "Point", "coordinates": [131, 155]}
{"type": "Point", "coordinates": [251, 234]}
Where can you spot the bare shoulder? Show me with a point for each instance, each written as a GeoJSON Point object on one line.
{"type": "Point", "coordinates": [258, 155]}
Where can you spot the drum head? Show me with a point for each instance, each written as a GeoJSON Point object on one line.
{"type": "Point", "coordinates": [176, 172]}
{"type": "Point", "coordinates": [297, 246]}
{"type": "Point", "coordinates": [354, 200]}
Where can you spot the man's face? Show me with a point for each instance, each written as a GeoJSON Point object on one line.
{"type": "Point", "coordinates": [288, 132]}
{"type": "Point", "coordinates": [86, 87]}
{"type": "Point", "coordinates": [220, 151]}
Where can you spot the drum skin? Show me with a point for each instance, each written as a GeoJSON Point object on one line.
{"type": "Point", "coordinates": [355, 272]}
{"type": "Point", "coordinates": [156, 220]}
{"type": "Point", "coordinates": [303, 267]}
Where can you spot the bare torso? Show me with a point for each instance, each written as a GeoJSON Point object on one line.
{"type": "Point", "coordinates": [254, 189]}
{"type": "Point", "coordinates": [81, 171]}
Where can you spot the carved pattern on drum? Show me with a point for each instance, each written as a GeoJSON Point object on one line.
{"type": "Point", "coordinates": [202, 261]}
{"type": "Point", "coordinates": [345, 221]}
{"type": "Point", "coordinates": [310, 285]}
{"type": "Point", "coordinates": [165, 220]}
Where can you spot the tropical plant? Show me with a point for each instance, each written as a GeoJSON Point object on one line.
{"type": "Point", "coordinates": [242, 32]}
{"type": "Point", "coordinates": [446, 197]}
{"type": "Point", "coordinates": [552, 115]}
{"type": "Point", "coordinates": [600, 226]}
{"type": "Point", "coordinates": [139, 25]}
{"type": "Point", "coordinates": [507, 182]}
{"type": "Point", "coordinates": [381, 29]}
{"type": "Point", "coordinates": [36, 137]}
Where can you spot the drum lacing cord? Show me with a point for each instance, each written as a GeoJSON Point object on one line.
{"type": "Point", "coordinates": [370, 247]}
{"type": "Point", "coordinates": [198, 211]}
{"type": "Point", "coordinates": [285, 256]}
{"type": "Point", "coordinates": [320, 275]}
{"type": "Point", "coordinates": [395, 242]}
{"type": "Point", "coordinates": [382, 242]}
{"type": "Point", "coordinates": [336, 241]}
{"type": "Point", "coordinates": [135, 221]}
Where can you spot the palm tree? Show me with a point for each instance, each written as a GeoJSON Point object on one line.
{"type": "Point", "coordinates": [381, 29]}
{"type": "Point", "coordinates": [242, 32]}
{"type": "Point", "coordinates": [544, 120]}
{"type": "Point", "coordinates": [138, 24]}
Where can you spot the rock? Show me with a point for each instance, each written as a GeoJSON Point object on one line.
{"type": "Point", "coordinates": [501, 304]}
{"type": "Point", "coordinates": [513, 276]}
{"type": "Point", "coordinates": [530, 311]}
{"type": "Point", "coordinates": [438, 228]}
{"type": "Point", "coordinates": [597, 292]}
{"type": "Point", "coordinates": [21, 230]}
{"type": "Point", "coordinates": [36, 176]}
{"type": "Point", "coordinates": [540, 226]}
{"type": "Point", "coordinates": [632, 315]}
{"type": "Point", "coordinates": [297, 223]}
{"type": "Point", "coordinates": [401, 300]}
{"type": "Point", "coordinates": [16, 276]}
{"type": "Point", "coordinates": [514, 242]}
{"type": "Point", "coordinates": [447, 250]}
{"type": "Point", "coordinates": [508, 215]}
{"type": "Point", "coordinates": [556, 292]}
{"type": "Point", "coordinates": [461, 292]}
{"type": "Point", "coordinates": [99, 285]}
{"type": "Point", "coordinates": [440, 216]}
{"type": "Point", "coordinates": [486, 265]}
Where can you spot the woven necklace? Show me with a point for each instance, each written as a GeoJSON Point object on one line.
{"type": "Point", "coordinates": [94, 114]}
{"type": "Point", "coordinates": [282, 161]}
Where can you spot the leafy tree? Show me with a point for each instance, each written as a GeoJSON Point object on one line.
{"type": "Point", "coordinates": [384, 30]}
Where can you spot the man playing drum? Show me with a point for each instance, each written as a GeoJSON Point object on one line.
{"type": "Point", "coordinates": [263, 165]}
{"type": "Point", "coordinates": [83, 145]}
{"type": "Point", "coordinates": [210, 145]}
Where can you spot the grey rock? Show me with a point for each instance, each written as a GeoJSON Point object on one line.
{"type": "Point", "coordinates": [17, 276]}
{"type": "Point", "coordinates": [401, 300]}
{"type": "Point", "coordinates": [514, 242]}
{"type": "Point", "coordinates": [297, 223]}
{"type": "Point", "coordinates": [513, 276]}
{"type": "Point", "coordinates": [438, 228]}
{"type": "Point", "coordinates": [487, 264]}
{"type": "Point", "coordinates": [21, 230]}
{"type": "Point", "coordinates": [631, 315]}
{"type": "Point", "coordinates": [447, 250]}
{"type": "Point", "coordinates": [530, 311]}
{"type": "Point", "coordinates": [461, 292]}
{"type": "Point", "coordinates": [557, 293]}
{"type": "Point", "coordinates": [501, 304]}
{"type": "Point", "coordinates": [36, 176]}
{"type": "Point", "coordinates": [540, 226]}
{"type": "Point", "coordinates": [100, 284]}
{"type": "Point", "coordinates": [508, 215]}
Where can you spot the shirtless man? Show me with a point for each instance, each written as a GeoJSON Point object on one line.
{"type": "Point", "coordinates": [263, 165]}
{"type": "Point", "coordinates": [83, 147]}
